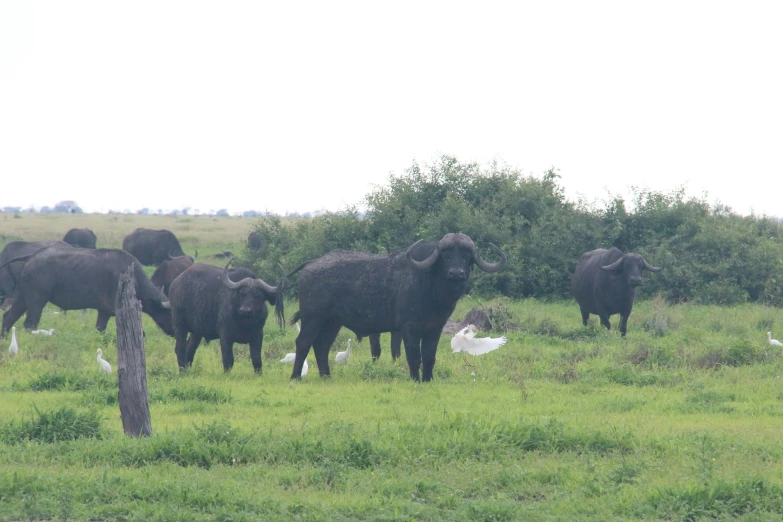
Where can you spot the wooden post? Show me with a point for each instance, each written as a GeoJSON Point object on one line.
{"type": "Point", "coordinates": [131, 362]}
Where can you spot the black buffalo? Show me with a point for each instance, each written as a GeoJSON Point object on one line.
{"type": "Point", "coordinates": [80, 278]}
{"type": "Point", "coordinates": [168, 271]}
{"type": "Point", "coordinates": [152, 247]}
{"type": "Point", "coordinates": [370, 293]}
{"type": "Point", "coordinates": [80, 237]}
{"type": "Point", "coordinates": [210, 303]}
{"type": "Point", "coordinates": [254, 241]}
{"type": "Point", "coordinates": [604, 283]}
{"type": "Point", "coordinates": [9, 273]}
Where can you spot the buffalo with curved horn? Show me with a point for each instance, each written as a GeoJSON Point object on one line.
{"type": "Point", "coordinates": [411, 291]}
{"type": "Point", "coordinates": [604, 283]}
{"type": "Point", "coordinates": [208, 302]}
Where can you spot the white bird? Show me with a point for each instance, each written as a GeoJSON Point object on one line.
{"type": "Point", "coordinates": [342, 357]}
{"type": "Point", "coordinates": [104, 366]}
{"type": "Point", "coordinates": [773, 342]}
{"type": "Point", "coordinates": [304, 368]}
{"type": "Point", "coordinates": [298, 329]}
{"type": "Point", "coordinates": [13, 349]}
{"type": "Point", "coordinates": [465, 341]}
{"type": "Point", "coordinates": [289, 358]}
{"type": "Point", "coordinates": [44, 332]}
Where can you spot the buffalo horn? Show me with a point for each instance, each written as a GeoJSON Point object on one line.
{"type": "Point", "coordinates": [422, 265]}
{"type": "Point", "coordinates": [228, 283]}
{"type": "Point", "coordinates": [651, 268]}
{"type": "Point", "coordinates": [489, 267]}
{"type": "Point", "coordinates": [614, 265]}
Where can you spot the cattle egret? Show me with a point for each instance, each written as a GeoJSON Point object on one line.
{"type": "Point", "coordinates": [298, 329]}
{"type": "Point", "coordinates": [342, 357]}
{"type": "Point", "coordinates": [13, 349]}
{"type": "Point", "coordinates": [289, 358]}
{"type": "Point", "coordinates": [773, 342]}
{"type": "Point", "coordinates": [304, 368]}
{"type": "Point", "coordinates": [465, 341]}
{"type": "Point", "coordinates": [44, 332]}
{"type": "Point", "coordinates": [104, 366]}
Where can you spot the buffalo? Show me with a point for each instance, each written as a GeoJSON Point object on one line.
{"type": "Point", "coordinates": [80, 237]}
{"type": "Point", "coordinates": [209, 303]}
{"type": "Point", "coordinates": [254, 241]}
{"type": "Point", "coordinates": [153, 247]}
{"type": "Point", "coordinates": [412, 292]}
{"type": "Point", "coordinates": [168, 271]}
{"type": "Point", "coordinates": [604, 283]}
{"type": "Point", "coordinates": [80, 278]}
{"type": "Point", "coordinates": [9, 271]}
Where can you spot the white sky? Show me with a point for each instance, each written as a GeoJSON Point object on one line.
{"type": "Point", "coordinates": [299, 106]}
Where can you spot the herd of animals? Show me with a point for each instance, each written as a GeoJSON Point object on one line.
{"type": "Point", "coordinates": [410, 293]}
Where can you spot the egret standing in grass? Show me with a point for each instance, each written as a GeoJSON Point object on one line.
{"type": "Point", "coordinates": [289, 358]}
{"type": "Point", "coordinates": [773, 342]}
{"type": "Point", "coordinates": [103, 365]}
{"type": "Point", "coordinates": [43, 332]}
{"type": "Point", "coordinates": [342, 357]}
{"type": "Point", "coordinates": [13, 349]}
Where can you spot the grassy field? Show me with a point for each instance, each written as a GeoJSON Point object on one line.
{"type": "Point", "coordinates": [679, 421]}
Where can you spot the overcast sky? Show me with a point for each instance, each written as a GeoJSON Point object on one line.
{"type": "Point", "coordinates": [299, 106]}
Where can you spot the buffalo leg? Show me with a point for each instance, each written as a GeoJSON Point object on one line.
{"type": "Point", "coordinates": [413, 354]}
{"type": "Point", "coordinates": [429, 347]}
{"type": "Point", "coordinates": [255, 352]}
{"type": "Point", "coordinates": [321, 346]}
{"type": "Point", "coordinates": [181, 349]}
{"type": "Point", "coordinates": [585, 316]}
{"type": "Point", "coordinates": [605, 321]}
{"type": "Point", "coordinates": [227, 349]}
{"type": "Point", "coordinates": [309, 331]}
{"type": "Point", "coordinates": [190, 348]}
{"type": "Point", "coordinates": [103, 320]}
{"type": "Point", "coordinates": [18, 308]}
{"type": "Point", "coordinates": [623, 324]}
{"type": "Point", "coordinates": [396, 340]}
{"type": "Point", "coordinates": [375, 346]}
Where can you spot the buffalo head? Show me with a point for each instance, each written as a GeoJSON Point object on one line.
{"type": "Point", "coordinates": [457, 253]}
{"type": "Point", "coordinates": [250, 295]}
{"type": "Point", "coordinates": [630, 268]}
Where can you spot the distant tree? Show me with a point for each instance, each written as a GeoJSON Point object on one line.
{"type": "Point", "coordinates": [67, 206]}
{"type": "Point", "coordinates": [249, 213]}
{"type": "Point", "coordinates": [12, 210]}
{"type": "Point", "coordinates": [143, 212]}
{"type": "Point", "coordinates": [45, 209]}
{"type": "Point", "coordinates": [222, 212]}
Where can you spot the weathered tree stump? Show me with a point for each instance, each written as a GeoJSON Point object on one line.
{"type": "Point", "coordinates": [131, 361]}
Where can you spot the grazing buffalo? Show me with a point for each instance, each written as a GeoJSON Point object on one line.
{"type": "Point", "coordinates": [9, 273]}
{"type": "Point", "coordinates": [80, 237]}
{"type": "Point", "coordinates": [604, 283]}
{"type": "Point", "coordinates": [80, 278]}
{"type": "Point", "coordinates": [152, 247]}
{"type": "Point", "coordinates": [412, 292]}
{"type": "Point", "coordinates": [168, 271]}
{"type": "Point", "coordinates": [254, 241]}
{"type": "Point", "coordinates": [210, 303]}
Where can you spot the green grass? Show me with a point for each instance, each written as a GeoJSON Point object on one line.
{"type": "Point", "coordinates": [679, 421]}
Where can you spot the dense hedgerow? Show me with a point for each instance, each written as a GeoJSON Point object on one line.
{"type": "Point", "coordinates": [710, 254]}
